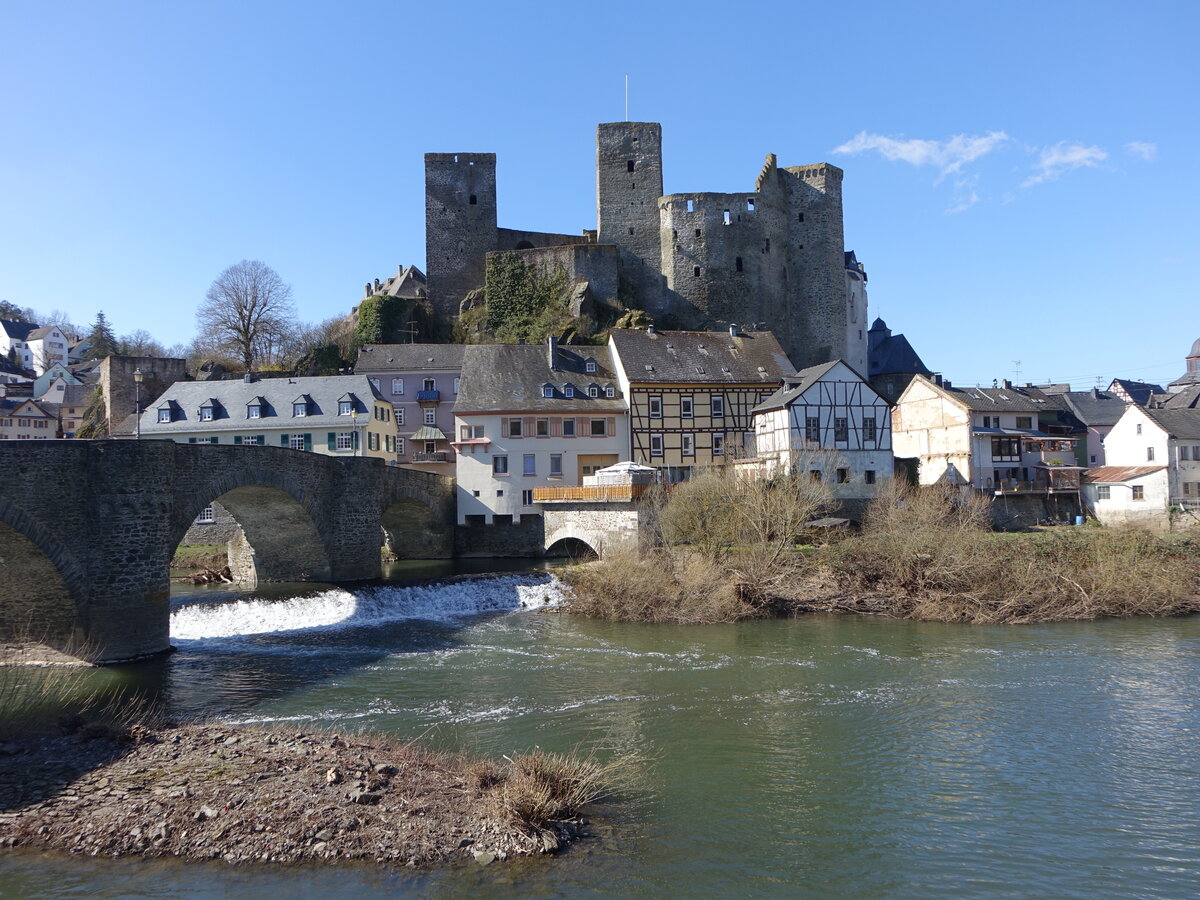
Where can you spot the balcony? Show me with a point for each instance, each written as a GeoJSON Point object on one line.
{"type": "Point", "coordinates": [600, 493]}
{"type": "Point", "coordinates": [437, 456]}
{"type": "Point", "coordinates": [1060, 482]}
{"type": "Point", "coordinates": [433, 396]}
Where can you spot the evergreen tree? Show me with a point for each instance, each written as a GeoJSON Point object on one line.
{"type": "Point", "coordinates": [104, 342]}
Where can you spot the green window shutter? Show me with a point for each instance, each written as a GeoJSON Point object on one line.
{"type": "Point", "coordinates": [191, 440]}
{"type": "Point", "coordinates": [308, 442]}
{"type": "Point", "coordinates": [237, 439]}
{"type": "Point", "coordinates": [262, 440]}
{"type": "Point", "coordinates": [354, 440]}
{"type": "Point", "coordinates": [331, 439]}
{"type": "Point", "coordinates": [213, 440]}
{"type": "Point", "coordinates": [283, 440]}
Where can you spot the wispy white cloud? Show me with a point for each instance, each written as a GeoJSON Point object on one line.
{"type": "Point", "coordinates": [1063, 157]}
{"type": "Point", "coordinates": [1143, 150]}
{"type": "Point", "coordinates": [948, 157]}
{"type": "Point", "coordinates": [965, 195]}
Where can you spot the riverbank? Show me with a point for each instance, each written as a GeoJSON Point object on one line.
{"type": "Point", "coordinates": [241, 795]}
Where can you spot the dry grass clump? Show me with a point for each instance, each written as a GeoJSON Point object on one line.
{"type": "Point", "coordinates": [540, 788]}
{"type": "Point", "coordinates": [665, 585]}
{"type": "Point", "coordinates": [926, 554]}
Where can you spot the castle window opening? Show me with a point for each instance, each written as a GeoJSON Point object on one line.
{"type": "Point", "coordinates": [749, 205]}
{"type": "Point", "coordinates": [737, 264]}
{"type": "Point", "coordinates": [691, 207]}
{"type": "Point", "coordinates": [473, 200]}
{"type": "Point", "coordinates": [695, 270]}
{"type": "Point", "coordinates": [629, 165]}
{"type": "Point", "coordinates": [801, 217]}
{"type": "Point", "coordinates": [727, 218]}
{"type": "Point", "coordinates": [697, 232]}
{"type": "Point", "coordinates": [631, 231]}
{"type": "Point", "coordinates": [768, 245]}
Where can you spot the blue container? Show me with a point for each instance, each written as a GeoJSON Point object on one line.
{"type": "Point", "coordinates": [1079, 520]}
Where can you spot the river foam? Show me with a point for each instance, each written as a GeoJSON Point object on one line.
{"type": "Point", "coordinates": [339, 608]}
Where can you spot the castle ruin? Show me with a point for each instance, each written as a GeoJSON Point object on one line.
{"type": "Point", "coordinates": [772, 257]}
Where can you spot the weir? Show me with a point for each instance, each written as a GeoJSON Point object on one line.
{"type": "Point", "coordinates": [88, 529]}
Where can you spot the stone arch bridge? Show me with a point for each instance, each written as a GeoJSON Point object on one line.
{"type": "Point", "coordinates": [88, 529]}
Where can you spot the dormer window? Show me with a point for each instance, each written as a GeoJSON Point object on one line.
{"type": "Point", "coordinates": [609, 392]}
{"type": "Point", "coordinates": [206, 414]}
{"type": "Point", "coordinates": [593, 390]}
{"type": "Point", "coordinates": [589, 365]}
{"type": "Point", "coordinates": [300, 408]}
{"type": "Point", "coordinates": [164, 415]}
{"type": "Point", "coordinates": [569, 391]}
{"type": "Point", "coordinates": [547, 390]}
{"type": "Point", "coordinates": [345, 407]}
{"type": "Point", "coordinates": [254, 411]}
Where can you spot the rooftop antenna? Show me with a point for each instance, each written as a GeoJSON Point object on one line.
{"type": "Point", "coordinates": [1016, 370]}
{"type": "Point", "coordinates": [626, 96]}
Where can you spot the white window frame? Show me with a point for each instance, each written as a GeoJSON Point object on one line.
{"type": "Point", "coordinates": [164, 415]}
{"type": "Point", "coordinates": [717, 403]}
{"type": "Point", "coordinates": [656, 445]}
{"type": "Point", "coordinates": [556, 468]}
{"type": "Point", "coordinates": [254, 411]}
{"type": "Point", "coordinates": [654, 404]}
{"type": "Point", "coordinates": [398, 387]}
{"type": "Point", "coordinates": [718, 447]}
{"type": "Point", "coordinates": [589, 366]}
{"type": "Point", "coordinates": [206, 414]}
{"type": "Point", "coordinates": [603, 428]}
{"type": "Point", "coordinates": [299, 410]}
{"type": "Point", "coordinates": [687, 444]}
{"type": "Point", "coordinates": [345, 407]}
{"type": "Point", "coordinates": [610, 392]}
{"type": "Point", "coordinates": [206, 516]}
{"type": "Point", "coordinates": [399, 410]}
{"type": "Point", "coordinates": [500, 465]}
{"type": "Point", "coordinates": [344, 440]}
{"type": "Point", "coordinates": [686, 407]}
{"type": "Point", "coordinates": [430, 416]}
{"type": "Point", "coordinates": [296, 441]}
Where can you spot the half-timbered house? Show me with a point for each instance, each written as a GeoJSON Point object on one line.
{"type": "Point", "coordinates": [691, 393]}
{"type": "Point", "coordinates": [830, 421]}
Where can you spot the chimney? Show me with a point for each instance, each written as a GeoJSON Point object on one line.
{"type": "Point", "coordinates": [937, 379]}
{"type": "Point", "coordinates": [1095, 393]}
{"type": "Point", "coordinates": [946, 383]}
{"type": "Point", "coordinates": [1006, 384]}
{"type": "Point", "coordinates": [733, 331]}
{"type": "Point", "coordinates": [552, 347]}
{"type": "Point", "coordinates": [249, 378]}
{"type": "Point", "coordinates": [650, 330]}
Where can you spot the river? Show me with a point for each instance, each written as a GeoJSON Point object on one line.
{"type": "Point", "coordinates": [847, 757]}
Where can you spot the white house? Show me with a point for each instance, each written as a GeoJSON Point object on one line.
{"type": "Point", "coordinates": [47, 346]}
{"type": "Point", "coordinates": [1153, 469]}
{"type": "Point", "coordinates": [829, 420]}
{"type": "Point", "coordinates": [14, 342]}
{"type": "Point", "coordinates": [533, 416]}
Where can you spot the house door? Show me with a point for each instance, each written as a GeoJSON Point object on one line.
{"type": "Point", "coordinates": [589, 462]}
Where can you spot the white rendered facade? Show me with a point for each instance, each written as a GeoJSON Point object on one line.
{"type": "Point", "coordinates": [1140, 438]}
{"type": "Point", "coordinates": [497, 470]}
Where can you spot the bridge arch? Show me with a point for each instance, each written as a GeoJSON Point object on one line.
{"type": "Point", "coordinates": [41, 607]}
{"type": "Point", "coordinates": [281, 525]}
{"type": "Point", "coordinates": [573, 547]}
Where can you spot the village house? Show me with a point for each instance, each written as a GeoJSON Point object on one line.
{"type": "Point", "coordinates": [692, 393]}
{"type": "Point", "coordinates": [14, 343]}
{"type": "Point", "coordinates": [47, 347]}
{"type": "Point", "coordinates": [25, 419]}
{"type": "Point", "coordinates": [421, 381]}
{"type": "Point", "coordinates": [830, 422]}
{"type": "Point", "coordinates": [1000, 440]}
{"type": "Point", "coordinates": [335, 415]}
{"type": "Point", "coordinates": [1191, 375]}
{"type": "Point", "coordinates": [1139, 393]}
{"type": "Point", "coordinates": [1098, 411]}
{"type": "Point", "coordinates": [1153, 469]}
{"type": "Point", "coordinates": [533, 416]}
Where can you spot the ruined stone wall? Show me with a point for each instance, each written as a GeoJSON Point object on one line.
{"type": "Point", "coordinates": [512, 239]}
{"type": "Point", "coordinates": [599, 265]}
{"type": "Point", "coordinates": [460, 225]}
{"type": "Point", "coordinates": [118, 387]}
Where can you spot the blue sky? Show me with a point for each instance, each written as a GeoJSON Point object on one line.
{"type": "Point", "coordinates": [1020, 178]}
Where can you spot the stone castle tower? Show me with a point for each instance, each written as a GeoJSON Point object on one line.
{"type": "Point", "coordinates": [774, 255]}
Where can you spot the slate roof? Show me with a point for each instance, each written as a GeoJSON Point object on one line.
{"type": "Point", "coordinates": [1183, 424]}
{"type": "Point", "coordinates": [279, 393]}
{"type": "Point", "coordinates": [1140, 391]}
{"type": "Point", "coordinates": [1187, 398]}
{"type": "Point", "coordinates": [794, 386]}
{"type": "Point", "coordinates": [11, 404]}
{"type": "Point", "coordinates": [1004, 399]}
{"type": "Point", "coordinates": [1094, 407]}
{"type": "Point", "coordinates": [17, 331]}
{"type": "Point", "coordinates": [8, 368]}
{"type": "Point", "coordinates": [1106, 474]}
{"type": "Point", "coordinates": [399, 358]}
{"type": "Point", "coordinates": [77, 395]}
{"type": "Point", "coordinates": [701, 357]}
{"type": "Point", "coordinates": [894, 355]}
{"type": "Point", "coordinates": [44, 331]}
{"type": "Point", "coordinates": [510, 378]}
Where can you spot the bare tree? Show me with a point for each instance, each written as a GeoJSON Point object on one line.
{"type": "Point", "coordinates": [247, 312]}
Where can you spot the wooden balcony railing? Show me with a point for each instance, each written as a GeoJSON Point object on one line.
{"type": "Point", "coordinates": [595, 493]}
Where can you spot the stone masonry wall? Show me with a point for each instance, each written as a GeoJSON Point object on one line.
{"type": "Point", "coordinates": [120, 390]}
{"type": "Point", "coordinates": [460, 225]}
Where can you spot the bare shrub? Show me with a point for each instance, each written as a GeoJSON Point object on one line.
{"type": "Point", "coordinates": [663, 585]}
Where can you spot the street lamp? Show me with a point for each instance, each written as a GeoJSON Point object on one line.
{"type": "Point", "coordinates": [354, 425]}
{"type": "Point", "coordinates": [137, 399]}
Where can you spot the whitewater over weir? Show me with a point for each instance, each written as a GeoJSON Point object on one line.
{"type": "Point", "coordinates": [338, 608]}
